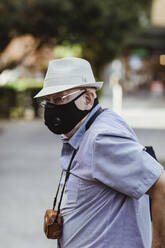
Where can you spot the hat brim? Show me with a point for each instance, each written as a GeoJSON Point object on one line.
{"type": "Point", "coordinates": [56, 89]}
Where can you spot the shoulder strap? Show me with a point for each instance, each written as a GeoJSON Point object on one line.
{"type": "Point", "coordinates": [62, 192]}
{"type": "Point", "coordinates": [89, 123]}
{"type": "Point", "coordinates": [66, 178]}
{"type": "Point", "coordinates": [92, 119]}
{"type": "Point", "coordinates": [150, 150]}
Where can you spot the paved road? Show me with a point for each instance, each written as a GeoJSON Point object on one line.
{"type": "Point", "coordinates": [29, 170]}
{"type": "Point", "coordinates": [28, 176]}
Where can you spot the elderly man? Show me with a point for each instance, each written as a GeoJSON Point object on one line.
{"type": "Point", "coordinates": [106, 199]}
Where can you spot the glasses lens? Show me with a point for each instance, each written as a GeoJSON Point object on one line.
{"type": "Point", "coordinates": [58, 100]}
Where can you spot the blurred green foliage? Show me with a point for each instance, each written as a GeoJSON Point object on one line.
{"type": "Point", "coordinates": [7, 101]}
{"type": "Point", "coordinates": [23, 84]}
{"type": "Point", "coordinates": [17, 96]}
{"type": "Point", "coordinates": [93, 29]}
{"type": "Point", "coordinates": [67, 50]}
{"type": "Point", "coordinates": [100, 27]}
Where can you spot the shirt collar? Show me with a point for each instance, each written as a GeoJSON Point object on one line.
{"type": "Point", "coordinates": [75, 140]}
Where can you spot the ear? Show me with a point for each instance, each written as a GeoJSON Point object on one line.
{"type": "Point", "coordinates": [89, 99]}
{"type": "Point", "coordinates": [85, 102]}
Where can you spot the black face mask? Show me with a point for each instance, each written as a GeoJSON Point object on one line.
{"type": "Point", "coordinates": [61, 119]}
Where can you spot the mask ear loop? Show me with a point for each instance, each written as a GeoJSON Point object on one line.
{"type": "Point", "coordinates": [79, 96]}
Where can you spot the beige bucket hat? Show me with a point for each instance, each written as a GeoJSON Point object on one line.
{"type": "Point", "coordinates": [68, 73]}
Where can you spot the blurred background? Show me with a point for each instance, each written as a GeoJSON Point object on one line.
{"type": "Point", "coordinates": [125, 43]}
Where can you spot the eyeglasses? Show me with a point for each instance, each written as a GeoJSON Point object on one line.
{"type": "Point", "coordinates": [59, 99]}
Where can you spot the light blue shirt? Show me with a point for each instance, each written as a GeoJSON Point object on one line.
{"type": "Point", "coordinates": [105, 205]}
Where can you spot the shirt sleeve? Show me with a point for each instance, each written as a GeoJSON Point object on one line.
{"type": "Point", "coordinates": [121, 163]}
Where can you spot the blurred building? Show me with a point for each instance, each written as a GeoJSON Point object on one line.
{"type": "Point", "coordinates": [141, 60]}
{"type": "Point", "coordinates": [157, 13]}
